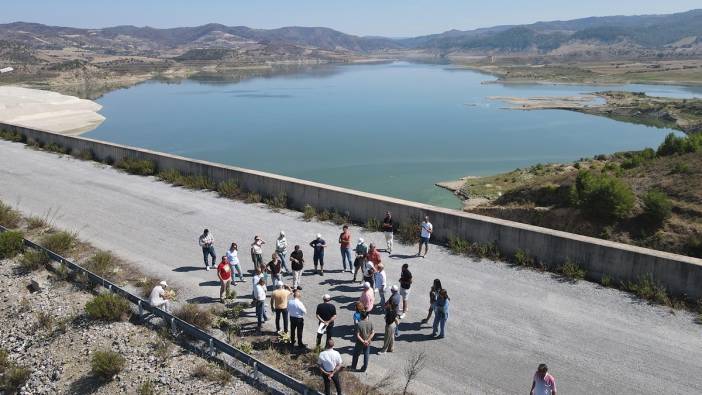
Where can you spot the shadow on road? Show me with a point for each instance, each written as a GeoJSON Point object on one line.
{"type": "Point", "coordinates": [398, 256]}
{"type": "Point", "coordinates": [185, 269]}
{"type": "Point", "coordinates": [203, 300]}
{"type": "Point", "coordinates": [212, 283]}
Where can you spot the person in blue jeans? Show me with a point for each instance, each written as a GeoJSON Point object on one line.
{"type": "Point", "coordinates": [345, 245]}
{"type": "Point", "coordinates": [260, 298]}
{"type": "Point", "coordinates": [318, 244]}
{"type": "Point", "coordinates": [364, 336]}
{"type": "Point", "coordinates": [441, 313]}
{"type": "Point", "coordinates": [206, 241]}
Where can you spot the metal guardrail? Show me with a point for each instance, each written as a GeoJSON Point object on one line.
{"type": "Point", "coordinates": [176, 324]}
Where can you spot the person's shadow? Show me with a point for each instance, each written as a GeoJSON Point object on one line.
{"type": "Point", "coordinates": [185, 269]}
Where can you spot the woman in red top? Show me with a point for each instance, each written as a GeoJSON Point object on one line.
{"type": "Point", "coordinates": [224, 272]}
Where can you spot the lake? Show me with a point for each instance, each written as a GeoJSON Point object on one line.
{"type": "Point", "coordinates": [393, 129]}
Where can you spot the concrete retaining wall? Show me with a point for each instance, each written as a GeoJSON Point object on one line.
{"type": "Point", "coordinates": [680, 274]}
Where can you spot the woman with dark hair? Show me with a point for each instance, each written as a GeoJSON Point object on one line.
{"type": "Point", "coordinates": [405, 284]}
{"type": "Point", "coordinates": [433, 294]}
{"type": "Point", "coordinates": [441, 313]}
{"type": "Point", "coordinates": [233, 259]}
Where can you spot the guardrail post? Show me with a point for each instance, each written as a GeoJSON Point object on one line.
{"type": "Point", "coordinates": [211, 350]}
{"type": "Point", "coordinates": [174, 328]}
{"type": "Point", "coordinates": [255, 371]}
{"type": "Point", "coordinates": [141, 309]}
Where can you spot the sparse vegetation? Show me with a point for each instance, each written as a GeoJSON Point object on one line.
{"type": "Point", "coordinates": [413, 366]}
{"type": "Point", "coordinates": [212, 373]}
{"type": "Point", "coordinates": [102, 264]}
{"type": "Point", "coordinates": [522, 258]}
{"type": "Point", "coordinates": [408, 232]}
{"type": "Point", "coordinates": [606, 280]}
{"type": "Point", "coordinates": [105, 365]}
{"type": "Point", "coordinates": [325, 215]}
{"type": "Point", "coordinates": [108, 307]}
{"type": "Point", "coordinates": [309, 213]}
{"type": "Point", "coordinates": [33, 260]}
{"type": "Point", "coordinates": [85, 154]}
{"type": "Point", "coordinates": [245, 347]}
{"type": "Point", "coordinates": [278, 202]}
{"type": "Point", "coordinates": [11, 244]}
{"type": "Point", "coordinates": [36, 223]}
{"type": "Point", "coordinates": [572, 270]}
{"type": "Point", "coordinates": [140, 167]}
{"type": "Point", "coordinates": [657, 207]}
{"type": "Point", "coordinates": [458, 245]}
{"type": "Point", "coordinates": [228, 189]}
{"type": "Point", "coordinates": [45, 321]}
{"type": "Point", "coordinates": [13, 378]}
{"type": "Point", "coordinates": [60, 242]}
{"type": "Point", "coordinates": [147, 284]}
{"type": "Point", "coordinates": [146, 388]}
{"type": "Point", "coordinates": [9, 217]}
{"type": "Point", "coordinates": [646, 288]}
{"type": "Point", "coordinates": [253, 197]}
{"type": "Point", "coordinates": [373, 224]}
{"type": "Point", "coordinates": [194, 315]}
{"type": "Point", "coordinates": [675, 145]}
{"type": "Point", "coordinates": [11, 136]}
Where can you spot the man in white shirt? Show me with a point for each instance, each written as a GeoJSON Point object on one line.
{"type": "Point", "coordinates": [281, 248]}
{"type": "Point", "coordinates": [206, 241]}
{"type": "Point", "coordinates": [330, 364]}
{"type": "Point", "coordinates": [158, 297]}
{"type": "Point", "coordinates": [260, 298]}
{"type": "Point", "coordinates": [297, 311]}
{"type": "Point", "coordinates": [426, 230]}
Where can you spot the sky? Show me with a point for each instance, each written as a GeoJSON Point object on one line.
{"type": "Point", "coordinates": [391, 18]}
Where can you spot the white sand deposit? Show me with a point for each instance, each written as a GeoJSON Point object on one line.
{"type": "Point", "coordinates": [47, 110]}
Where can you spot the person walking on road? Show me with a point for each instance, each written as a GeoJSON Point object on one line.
{"type": "Point", "coordinates": [281, 248]}
{"type": "Point", "coordinates": [424, 235]}
{"type": "Point", "coordinates": [257, 253]}
{"type": "Point", "coordinates": [405, 284]}
{"type": "Point", "coordinates": [367, 297]}
{"type": "Point", "coordinates": [330, 364]}
{"type": "Point", "coordinates": [380, 284]}
{"type": "Point", "coordinates": [361, 252]}
{"type": "Point", "coordinates": [273, 268]}
{"type": "Point", "coordinates": [345, 246]}
{"type": "Point", "coordinates": [224, 273]}
{"type": "Point", "coordinates": [364, 336]}
{"type": "Point", "coordinates": [441, 313]}
{"type": "Point", "coordinates": [388, 229]}
{"type": "Point", "coordinates": [206, 242]}
{"type": "Point", "coordinates": [326, 314]}
{"type": "Point", "coordinates": [159, 297]}
{"type": "Point", "coordinates": [297, 312]}
{"type": "Point", "coordinates": [233, 259]}
{"type": "Point", "coordinates": [391, 321]}
{"type": "Point", "coordinates": [318, 245]}
{"type": "Point", "coordinates": [544, 383]}
{"type": "Point", "coordinates": [260, 298]}
{"type": "Point", "coordinates": [279, 304]}
{"type": "Point", "coordinates": [296, 263]}
{"type": "Point", "coordinates": [433, 295]}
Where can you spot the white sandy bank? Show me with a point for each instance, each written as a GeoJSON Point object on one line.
{"type": "Point", "coordinates": [48, 110]}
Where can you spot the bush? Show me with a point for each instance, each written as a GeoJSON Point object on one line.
{"type": "Point", "coordinates": [53, 147]}
{"type": "Point", "coordinates": [11, 136]}
{"type": "Point", "coordinates": [373, 224]}
{"type": "Point", "coordinates": [211, 373]}
{"type": "Point", "coordinates": [228, 189]}
{"type": "Point", "coordinates": [458, 245]}
{"type": "Point", "coordinates": [13, 378]}
{"type": "Point", "coordinates": [107, 364]}
{"type": "Point", "coordinates": [340, 219]}
{"type": "Point", "coordinates": [146, 388]}
{"type": "Point", "coordinates": [45, 321]}
{"type": "Point", "coordinates": [102, 263]}
{"type": "Point", "coordinates": [522, 258]}
{"type": "Point", "coordinates": [309, 213]}
{"type": "Point", "coordinates": [253, 197]}
{"type": "Point", "coordinates": [60, 242]}
{"type": "Point", "coordinates": [572, 271]}
{"type": "Point", "coordinates": [4, 360]}
{"type": "Point", "coordinates": [693, 245]}
{"type": "Point", "coordinates": [325, 215]}
{"type": "Point", "coordinates": [194, 315]}
{"type": "Point", "coordinates": [198, 182]}
{"type": "Point", "coordinates": [606, 280]}
{"type": "Point", "coordinates": [657, 207]}
{"type": "Point", "coordinates": [33, 260]}
{"type": "Point", "coordinates": [646, 288]}
{"type": "Point", "coordinates": [602, 196]}
{"type": "Point", "coordinates": [140, 167]}
{"type": "Point", "coordinates": [673, 144]}
{"type": "Point", "coordinates": [245, 347]}
{"type": "Point", "coordinates": [408, 232]}
{"type": "Point", "coordinates": [278, 202]}
{"type": "Point", "coordinates": [635, 159]}
{"type": "Point", "coordinates": [85, 154]}
{"type": "Point", "coordinates": [9, 217]}
{"type": "Point", "coordinates": [36, 223]}
{"type": "Point", "coordinates": [170, 176]}
{"type": "Point", "coordinates": [680, 168]}
{"type": "Point", "coordinates": [108, 307]}
{"type": "Point", "coordinates": [11, 244]}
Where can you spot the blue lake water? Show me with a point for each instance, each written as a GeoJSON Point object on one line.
{"type": "Point", "coordinates": [393, 129]}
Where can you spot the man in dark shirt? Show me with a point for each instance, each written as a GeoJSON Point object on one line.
{"type": "Point", "coordinates": [364, 336]}
{"type": "Point", "coordinates": [405, 284]}
{"type": "Point", "coordinates": [318, 244]}
{"type": "Point", "coordinates": [387, 231]}
{"type": "Point", "coordinates": [296, 262]}
{"type": "Point", "coordinates": [326, 314]}
{"type": "Point", "coordinates": [273, 268]}
{"type": "Point", "coordinates": [393, 304]}
{"type": "Point", "coordinates": [390, 324]}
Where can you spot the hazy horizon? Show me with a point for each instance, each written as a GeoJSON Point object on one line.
{"type": "Point", "coordinates": [364, 17]}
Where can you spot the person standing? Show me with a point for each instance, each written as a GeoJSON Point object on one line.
{"type": "Point", "coordinates": [367, 297]}
{"type": "Point", "coordinates": [391, 321]}
{"type": "Point", "coordinates": [260, 298]}
{"type": "Point", "coordinates": [424, 235]}
{"type": "Point", "coordinates": [364, 336]}
{"type": "Point", "coordinates": [405, 284]}
{"type": "Point", "coordinates": [281, 248]}
{"type": "Point", "coordinates": [345, 245]}
{"type": "Point", "coordinates": [388, 229]}
{"type": "Point", "coordinates": [360, 261]}
{"type": "Point", "coordinates": [394, 304]}
{"type": "Point", "coordinates": [373, 256]}
{"type": "Point", "coordinates": [433, 295]}
{"type": "Point", "coordinates": [159, 297]}
{"type": "Point", "coordinates": [273, 268]}
{"type": "Point", "coordinates": [329, 365]}
{"type": "Point", "coordinates": [326, 314]}
{"type": "Point", "coordinates": [233, 259]}
{"type": "Point", "coordinates": [257, 253]}
{"type": "Point", "coordinates": [279, 304]}
{"type": "Point", "coordinates": [254, 282]}
{"type": "Point", "coordinates": [297, 312]}
{"type": "Point", "coordinates": [441, 313]}
{"type": "Point", "coordinates": [296, 263]}
{"type": "Point", "coordinates": [318, 244]}
{"type": "Point", "coordinates": [224, 273]}
{"type": "Point", "coordinates": [380, 284]}
{"type": "Point", "coordinates": [544, 383]}
{"type": "Point", "coordinates": [206, 241]}
{"type": "Point", "coordinates": [369, 273]}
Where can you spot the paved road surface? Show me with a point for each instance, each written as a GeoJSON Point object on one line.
{"type": "Point", "coordinates": [504, 321]}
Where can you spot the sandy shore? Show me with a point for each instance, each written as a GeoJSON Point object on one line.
{"type": "Point", "coordinates": [48, 110]}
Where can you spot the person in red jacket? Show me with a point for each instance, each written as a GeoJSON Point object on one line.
{"type": "Point", "coordinates": [224, 272]}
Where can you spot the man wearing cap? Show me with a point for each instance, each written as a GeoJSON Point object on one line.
{"type": "Point", "coordinates": [345, 245]}
{"type": "Point", "coordinates": [543, 383]}
{"type": "Point", "coordinates": [367, 297]}
{"type": "Point", "coordinates": [387, 228]}
{"type": "Point", "coordinates": [281, 248]}
{"type": "Point", "coordinates": [206, 242]}
{"type": "Point", "coordinates": [159, 298]}
{"type": "Point", "coordinates": [318, 244]}
{"type": "Point", "coordinates": [361, 252]}
{"type": "Point", "coordinates": [369, 271]}
{"type": "Point", "coordinates": [326, 314]}
{"type": "Point", "coordinates": [393, 304]}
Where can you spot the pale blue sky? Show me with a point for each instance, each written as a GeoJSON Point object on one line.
{"type": "Point", "coordinates": [397, 18]}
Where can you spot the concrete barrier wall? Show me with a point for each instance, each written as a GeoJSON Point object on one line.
{"type": "Point", "coordinates": [680, 274]}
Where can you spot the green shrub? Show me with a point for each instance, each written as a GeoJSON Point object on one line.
{"type": "Point", "coordinates": [325, 215]}
{"type": "Point", "coordinates": [194, 315]}
{"type": "Point", "coordinates": [146, 388]}
{"type": "Point", "coordinates": [36, 223]}
{"type": "Point", "coordinates": [228, 189]}
{"type": "Point", "coordinates": [693, 245]}
{"type": "Point", "coordinates": [408, 232]}
{"type": "Point", "coordinates": [635, 159]}
{"type": "Point", "coordinates": [657, 207]}
{"type": "Point", "coordinates": [105, 365]}
{"type": "Point", "coordinates": [485, 250]}
{"type": "Point", "coordinates": [309, 213]}
{"type": "Point", "coordinates": [373, 224]}
{"type": "Point", "coordinates": [53, 147]}
{"type": "Point", "coordinates": [522, 258]}
{"type": "Point", "coordinates": [60, 242]}
{"type": "Point", "coordinates": [45, 321]}
{"type": "Point", "coordinates": [458, 245]}
{"type": "Point", "coordinates": [680, 168]}
{"type": "Point", "coordinates": [33, 260]}
{"type": "Point", "coordinates": [253, 197]}
{"type": "Point", "coordinates": [673, 144]}
{"type": "Point", "coordinates": [11, 244]}
{"type": "Point", "coordinates": [212, 373]}
{"type": "Point", "coordinates": [245, 347]}
{"type": "Point", "coordinates": [646, 288]}
{"type": "Point", "coordinates": [572, 271]}
{"type": "Point", "coordinates": [606, 280]}
{"type": "Point", "coordinates": [86, 154]}
{"type": "Point", "coordinates": [170, 176]}
{"type": "Point", "coordinates": [340, 219]}
{"type": "Point", "coordinates": [278, 202]}
{"type": "Point", "coordinates": [108, 307]}
{"type": "Point", "coordinates": [602, 196]}
{"type": "Point", "coordinates": [14, 378]}
{"type": "Point", "coordinates": [4, 360]}
{"type": "Point", "coordinates": [11, 136]}
{"type": "Point", "coordinates": [198, 182]}
{"type": "Point", "coordinates": [140, 167]}
{"type": "Point", "coordinates": [102, 263]}
{"type": "Point", "coordinates": [9, 217]}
